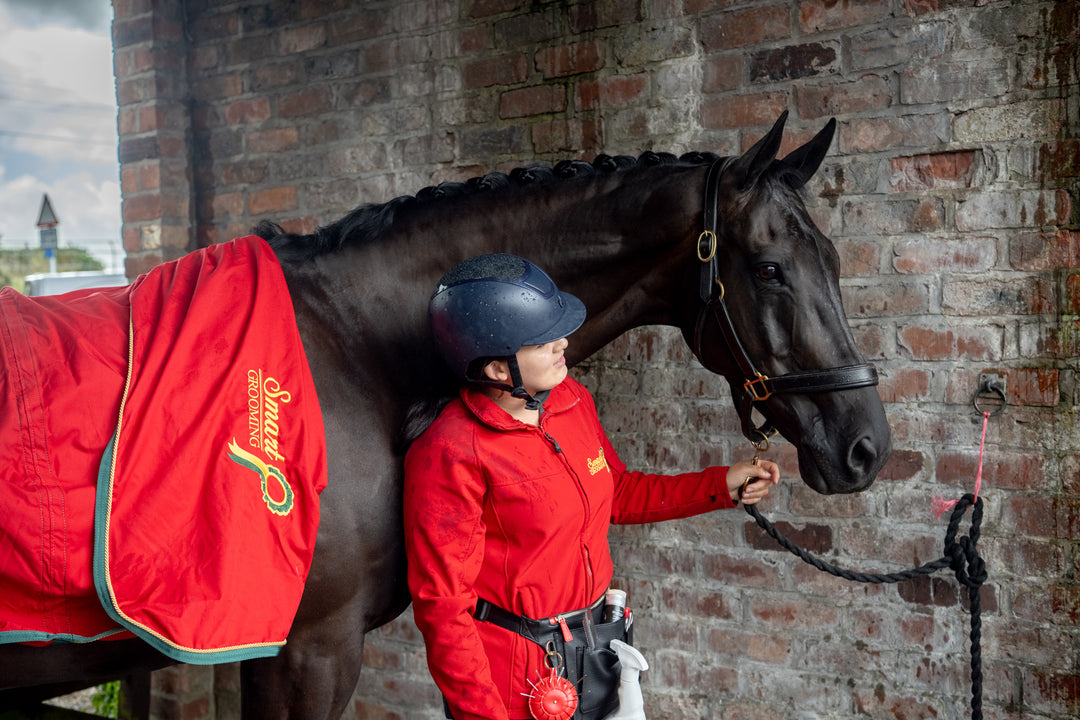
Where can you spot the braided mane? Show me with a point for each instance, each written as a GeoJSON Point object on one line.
{"type": "Point", "coordinates": [371, 220]}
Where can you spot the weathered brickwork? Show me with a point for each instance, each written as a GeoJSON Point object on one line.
{"type": "Point", "coordinates": [952, 194]}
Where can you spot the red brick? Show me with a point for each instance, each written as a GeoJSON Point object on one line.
{"type": "Point", "coordinates": [752, 646]}
{"type": "Point", "coordinates": [1058, 160]}
{"type": "Point", "coordinates": [584, 57]}
{"type": "Point", "coordinates": [686, 670]}
{"type": "Point", "coordinates": [1052, 692]}
{"type": "Point", "coordinates": [1032, 295]}
{"type": "Point", "coordinates": [870, 92]}
{"type": "Point", "coordinates": [366, 710]}
{"type": "Point", "coordinates": [1022, 209]}
{"type": "Point", "coordinates": [587, 17]}
{"type": "Point", "coordinates": [956, 343]}
{"type": "Point", "coordinates": [944, 80]}
{"type": "Point", "coordinates": [245, 172]}
{"type": "Point", "coordinates": [887, 298]}
{"type": "Point", "coordinates": [487, 8]}
{"type": "Point", "coordinates": [1001, 469]}
{"type": "Point", "coordinates": [272, 200]}
{"type": "Point", "coordinates": [904, 385]}
{"type": "Point", "coordinates": [560, 136]}
{"type": "Point", "coordinates": [728, 30]}
{"type": "Point", "coordinates": [922, 256]}
{"type": "Point", "coordinates": [880, 703]}
{"type": "Point", "coordinates": [272, 141]}
{"type": "Point", "coordinates": [623, 90]}
{"type": "Point", "coordinates": [723, 72]}
{"type": "Point", "coordinates": [730, 112]}
{"type": "Point", "coordinates": [311, 101]}
{"type": "Point", "coordinates": [1045, 250]}
{"type": "Point", "coordinates": [358, 25]}
{"type": "Point", "coordinates": [500, 70]}
{"type": "Point", "coordinates": [817, 15]}
{"type": "Point", "coordinates": [538, 100]}
{"type": "Point", "coordinates": [1033, 386]}
{"type": "Point", "coordinates": [587, 95]}
{"type": "Point", "coordinates": [1072, 294]}
{"type": "Point", "coordinates": [929, 591]}
{"type": "Point", "coordinates": [153, 118]}
{"type": "Point", "coordinates": [1057, 604]}
{"type": "Point", "coordinates": [247, 111]}
{"type": "Point", "coordinates": [936, 170]}
{"type": "Point", "coordinates": [227, 205]}
{"type": "Point", "coordinates": [137, 208]}
{"type": "Point", "coordinates": [864, 135]}
{"type": "Point", "coordinates": [696, 602]}
{"type": "Point", "coordinates": [814, 538]}
{"type": "Point", "coordinates": [742, 572]}
{"type": "Point", "coordinates": [793, 62]}
{"type": "Point", "coordinates": [903, 465]}
{"type": "Point", "coordinates": [799, 612]}
{"type": "Point", "coordinates": [1042, 516]}
{"type": "Point", "coordinates": [301, 39]}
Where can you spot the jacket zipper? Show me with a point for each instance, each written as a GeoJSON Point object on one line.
{"type": "Point", "coordinates": [585, 502]}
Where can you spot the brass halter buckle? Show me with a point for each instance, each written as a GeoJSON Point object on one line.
{"type": "Point", "coordinates": [757, 389]}
{"type": "Point", "coordinates": [706, 246]}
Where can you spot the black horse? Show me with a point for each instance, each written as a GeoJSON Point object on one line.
{"type": "Point", "coordinates": [722, 248]}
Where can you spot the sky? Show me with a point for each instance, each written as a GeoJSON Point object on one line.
{"type": "Point", "coordinates": [58, 124]}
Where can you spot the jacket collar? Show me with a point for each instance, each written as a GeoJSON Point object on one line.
{"type": "Point", "coordinates": [488, 411]}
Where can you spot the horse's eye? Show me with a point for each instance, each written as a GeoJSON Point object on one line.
{"type": "Point", "coordinates": [768, 272]}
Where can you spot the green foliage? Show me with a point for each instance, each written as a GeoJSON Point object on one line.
{"type": "Point", "coordinates": [17, 264]}
{"type": "Point", "coordinates": [107, 700]}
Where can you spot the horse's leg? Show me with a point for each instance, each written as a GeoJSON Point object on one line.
{"type": "Point", "coordinates": [356, 583]}
{"type": "Point", "coordinates": [316, 672]}
{"type": "Point", "coordinates": [312, 679]}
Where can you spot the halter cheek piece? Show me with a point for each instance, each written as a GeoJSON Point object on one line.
{"type": "Point", "coordinates": [756, 387]}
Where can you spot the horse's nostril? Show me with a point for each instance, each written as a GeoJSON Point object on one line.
{"type": "Point", "coordinates": [862, 457]}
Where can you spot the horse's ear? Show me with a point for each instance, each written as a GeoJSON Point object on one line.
{"type": "Point", "coordinates": [807, 159]}
{"type": "Point", "coordinates": [753, 162]}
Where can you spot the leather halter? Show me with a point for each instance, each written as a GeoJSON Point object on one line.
{"type": "Point", "coordinates": [756, 387]}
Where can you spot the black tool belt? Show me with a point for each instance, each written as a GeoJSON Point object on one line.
{"type": "Point", "coordinates": [539, 631]}
{"type": "Point", "coordinates": [584, 644]}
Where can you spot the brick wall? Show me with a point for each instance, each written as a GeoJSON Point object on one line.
{"type": "Point", "coordinates": [951, 193]}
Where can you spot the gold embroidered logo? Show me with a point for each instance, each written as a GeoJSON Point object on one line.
{"type": "Point", "coordinates": [245, 459]}
{"type": "Point", "coordinates": [265, 398]}
{"type": "Point", "coordinates": [600, 463]}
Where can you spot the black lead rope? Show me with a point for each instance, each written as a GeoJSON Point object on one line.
{"type": "Point", "coordinates": [960, 554]}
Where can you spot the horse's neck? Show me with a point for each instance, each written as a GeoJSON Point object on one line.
{"type": "Point", "coordinates": [609, 240]}
{"type": "Point", "coordinates": [616, 244]}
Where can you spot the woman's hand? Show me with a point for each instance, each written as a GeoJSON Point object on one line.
{"type": "Point", "coordinates": [750, 483]}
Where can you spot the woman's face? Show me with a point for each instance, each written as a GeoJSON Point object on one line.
{"type": "Point", "coordinates": [542, 366]}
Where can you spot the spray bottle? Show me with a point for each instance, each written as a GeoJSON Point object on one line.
{"type": "Point", "coordinates": [631, 704]}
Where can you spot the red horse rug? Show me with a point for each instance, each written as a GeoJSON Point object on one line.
{"type": "Point", "coordinates": [161, 459]}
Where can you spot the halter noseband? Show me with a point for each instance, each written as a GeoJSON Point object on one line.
{"type": "Point", "coordinates": [757, 387]}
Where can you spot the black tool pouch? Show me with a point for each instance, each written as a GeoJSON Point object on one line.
{"type": "Point", "coordinates": [593, 667]}
{"type": "Point", "coordinates": [587, 659]}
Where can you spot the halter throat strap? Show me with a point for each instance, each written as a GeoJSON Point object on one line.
{"type": "Point", "coordinates": [757, 387]}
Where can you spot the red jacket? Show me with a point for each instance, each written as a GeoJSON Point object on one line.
{"type": "Point", "coordinates": [519, 515]}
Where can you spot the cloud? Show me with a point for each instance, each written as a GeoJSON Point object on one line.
{"type": "Point", "coordinates": [57, 120]}
{"type": "Point", "coordinates": [82, 14]}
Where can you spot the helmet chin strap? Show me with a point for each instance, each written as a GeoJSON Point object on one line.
{"type": "Point", "coordinates": [518, 390]}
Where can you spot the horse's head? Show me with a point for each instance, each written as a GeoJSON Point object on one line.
{"type": "Point", "coordinates": [771, 319]}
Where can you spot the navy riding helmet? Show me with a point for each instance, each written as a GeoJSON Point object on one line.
{"type": "Point", "coordinates": [489, 306]}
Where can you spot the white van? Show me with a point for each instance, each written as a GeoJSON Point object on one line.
{"type": "Point", "coordinates": [62, 282]}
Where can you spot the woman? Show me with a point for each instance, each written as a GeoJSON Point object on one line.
{"type": "Point", "coordinates": [510, 492]}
